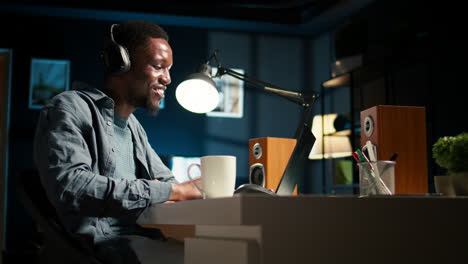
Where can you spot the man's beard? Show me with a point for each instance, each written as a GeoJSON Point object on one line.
{"type": "Point", "coordinates": [145, 102]}
{"type": "Point", "coordinates": [152, 109]}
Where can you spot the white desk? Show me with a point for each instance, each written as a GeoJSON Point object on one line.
{"type": "Point", "coordinates": [320, 229]}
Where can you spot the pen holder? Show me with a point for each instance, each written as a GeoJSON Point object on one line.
{"type": "Point", "coordinates": [377, 178]}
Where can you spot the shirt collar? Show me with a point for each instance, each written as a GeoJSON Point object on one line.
{"type": "Point", "coordinates": [94, 93]}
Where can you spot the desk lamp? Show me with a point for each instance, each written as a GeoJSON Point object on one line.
{"type": "Point", "coordinates": [199, 87]}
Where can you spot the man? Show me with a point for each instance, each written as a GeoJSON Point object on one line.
{"type": "Point", "coordinates": [94, 158]}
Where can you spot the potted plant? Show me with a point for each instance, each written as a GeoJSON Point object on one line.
{"type": "Point", "coordinates": [451, 153]}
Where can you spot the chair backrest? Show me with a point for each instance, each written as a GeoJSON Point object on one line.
{"type": "Point", "coordinates": [32, 195]}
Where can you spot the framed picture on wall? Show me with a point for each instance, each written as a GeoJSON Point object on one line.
{"type": "Point", "coordinates": [231, 96]}
{"type": "Point", "coordinates": [48, 78]}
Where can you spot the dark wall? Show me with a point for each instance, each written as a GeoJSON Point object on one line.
{"type": "Point", "coordinates": [411, 55]}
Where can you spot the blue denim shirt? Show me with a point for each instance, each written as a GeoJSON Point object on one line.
{"type": "Point", "coordinates": [75, 157]}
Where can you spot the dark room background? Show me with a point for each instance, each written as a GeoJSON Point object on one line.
{"type": "Point", "coordinates": [409, 55]}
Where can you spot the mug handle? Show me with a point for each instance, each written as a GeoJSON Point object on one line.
{"type": "Point", "coordinates": [191, 179]}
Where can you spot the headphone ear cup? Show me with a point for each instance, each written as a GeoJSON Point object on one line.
{"type": "Point", "coordinates": [116, 59]}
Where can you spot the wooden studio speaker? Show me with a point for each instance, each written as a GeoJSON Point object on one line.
{"type": "Point", "coordinates": [268, 158]}
{"type": "Point", "coordinates": [399, 130]}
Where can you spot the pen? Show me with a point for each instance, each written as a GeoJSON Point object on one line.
{"type": "Point", "coordinates": [378, 182]}
{"type": "Point", "coordinates": [371, 151]}
{"type": "Point", "coordinates": [356, 156]}
{"type": "Point", "coordinates": [363, 158]}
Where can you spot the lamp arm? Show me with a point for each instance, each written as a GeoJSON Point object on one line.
{"type": "Point", "coordinates": [304, 100]}
{"type": "Point", "coordinates": [299, 98]}
{"type": "Point", "coordinates": [282, 92]}
{"type": "Point", "coordinates": [305, 118]}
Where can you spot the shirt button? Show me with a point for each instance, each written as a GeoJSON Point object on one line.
{"type": "Point", "coordinates": [109, 123]}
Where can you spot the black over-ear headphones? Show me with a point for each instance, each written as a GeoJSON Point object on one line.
{"type": "Point", "coordinates": [115, 56]}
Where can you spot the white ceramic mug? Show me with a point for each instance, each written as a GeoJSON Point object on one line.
{"type": "Point", "coordinates": [218, 176]}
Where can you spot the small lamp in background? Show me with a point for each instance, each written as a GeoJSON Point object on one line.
{"type": "Point", "coordinates": [329, 143]}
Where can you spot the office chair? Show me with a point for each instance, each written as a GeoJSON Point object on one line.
{"type": "Point", "coordinates": [59, 245]}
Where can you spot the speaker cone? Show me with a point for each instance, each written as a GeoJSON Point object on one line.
{"type": "Point", "coordinates": [257, 174]}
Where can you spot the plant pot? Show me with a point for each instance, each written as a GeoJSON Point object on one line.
{"type": "Point", "coordinates": [443, 185]}
{"type": "Point", "coordinates": [460, 183]}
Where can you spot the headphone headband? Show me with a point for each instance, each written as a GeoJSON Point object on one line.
{"type": "Point", "coordinates": [115, 56]}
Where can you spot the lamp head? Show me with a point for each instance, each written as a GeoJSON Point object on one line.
{"type": "Point", "coordinates": [198, 93]}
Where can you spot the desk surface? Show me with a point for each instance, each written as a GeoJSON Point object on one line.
{"type": "Point", "coordinates": [252, 210]}
{"type": "Point", "coordinates": [333, 229]}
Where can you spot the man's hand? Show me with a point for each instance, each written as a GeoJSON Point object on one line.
{"type": "Point", "coordinates": [186, 190]}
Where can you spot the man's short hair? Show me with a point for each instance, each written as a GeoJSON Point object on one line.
{"type": "Point", "coordinates": [135, 33]}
